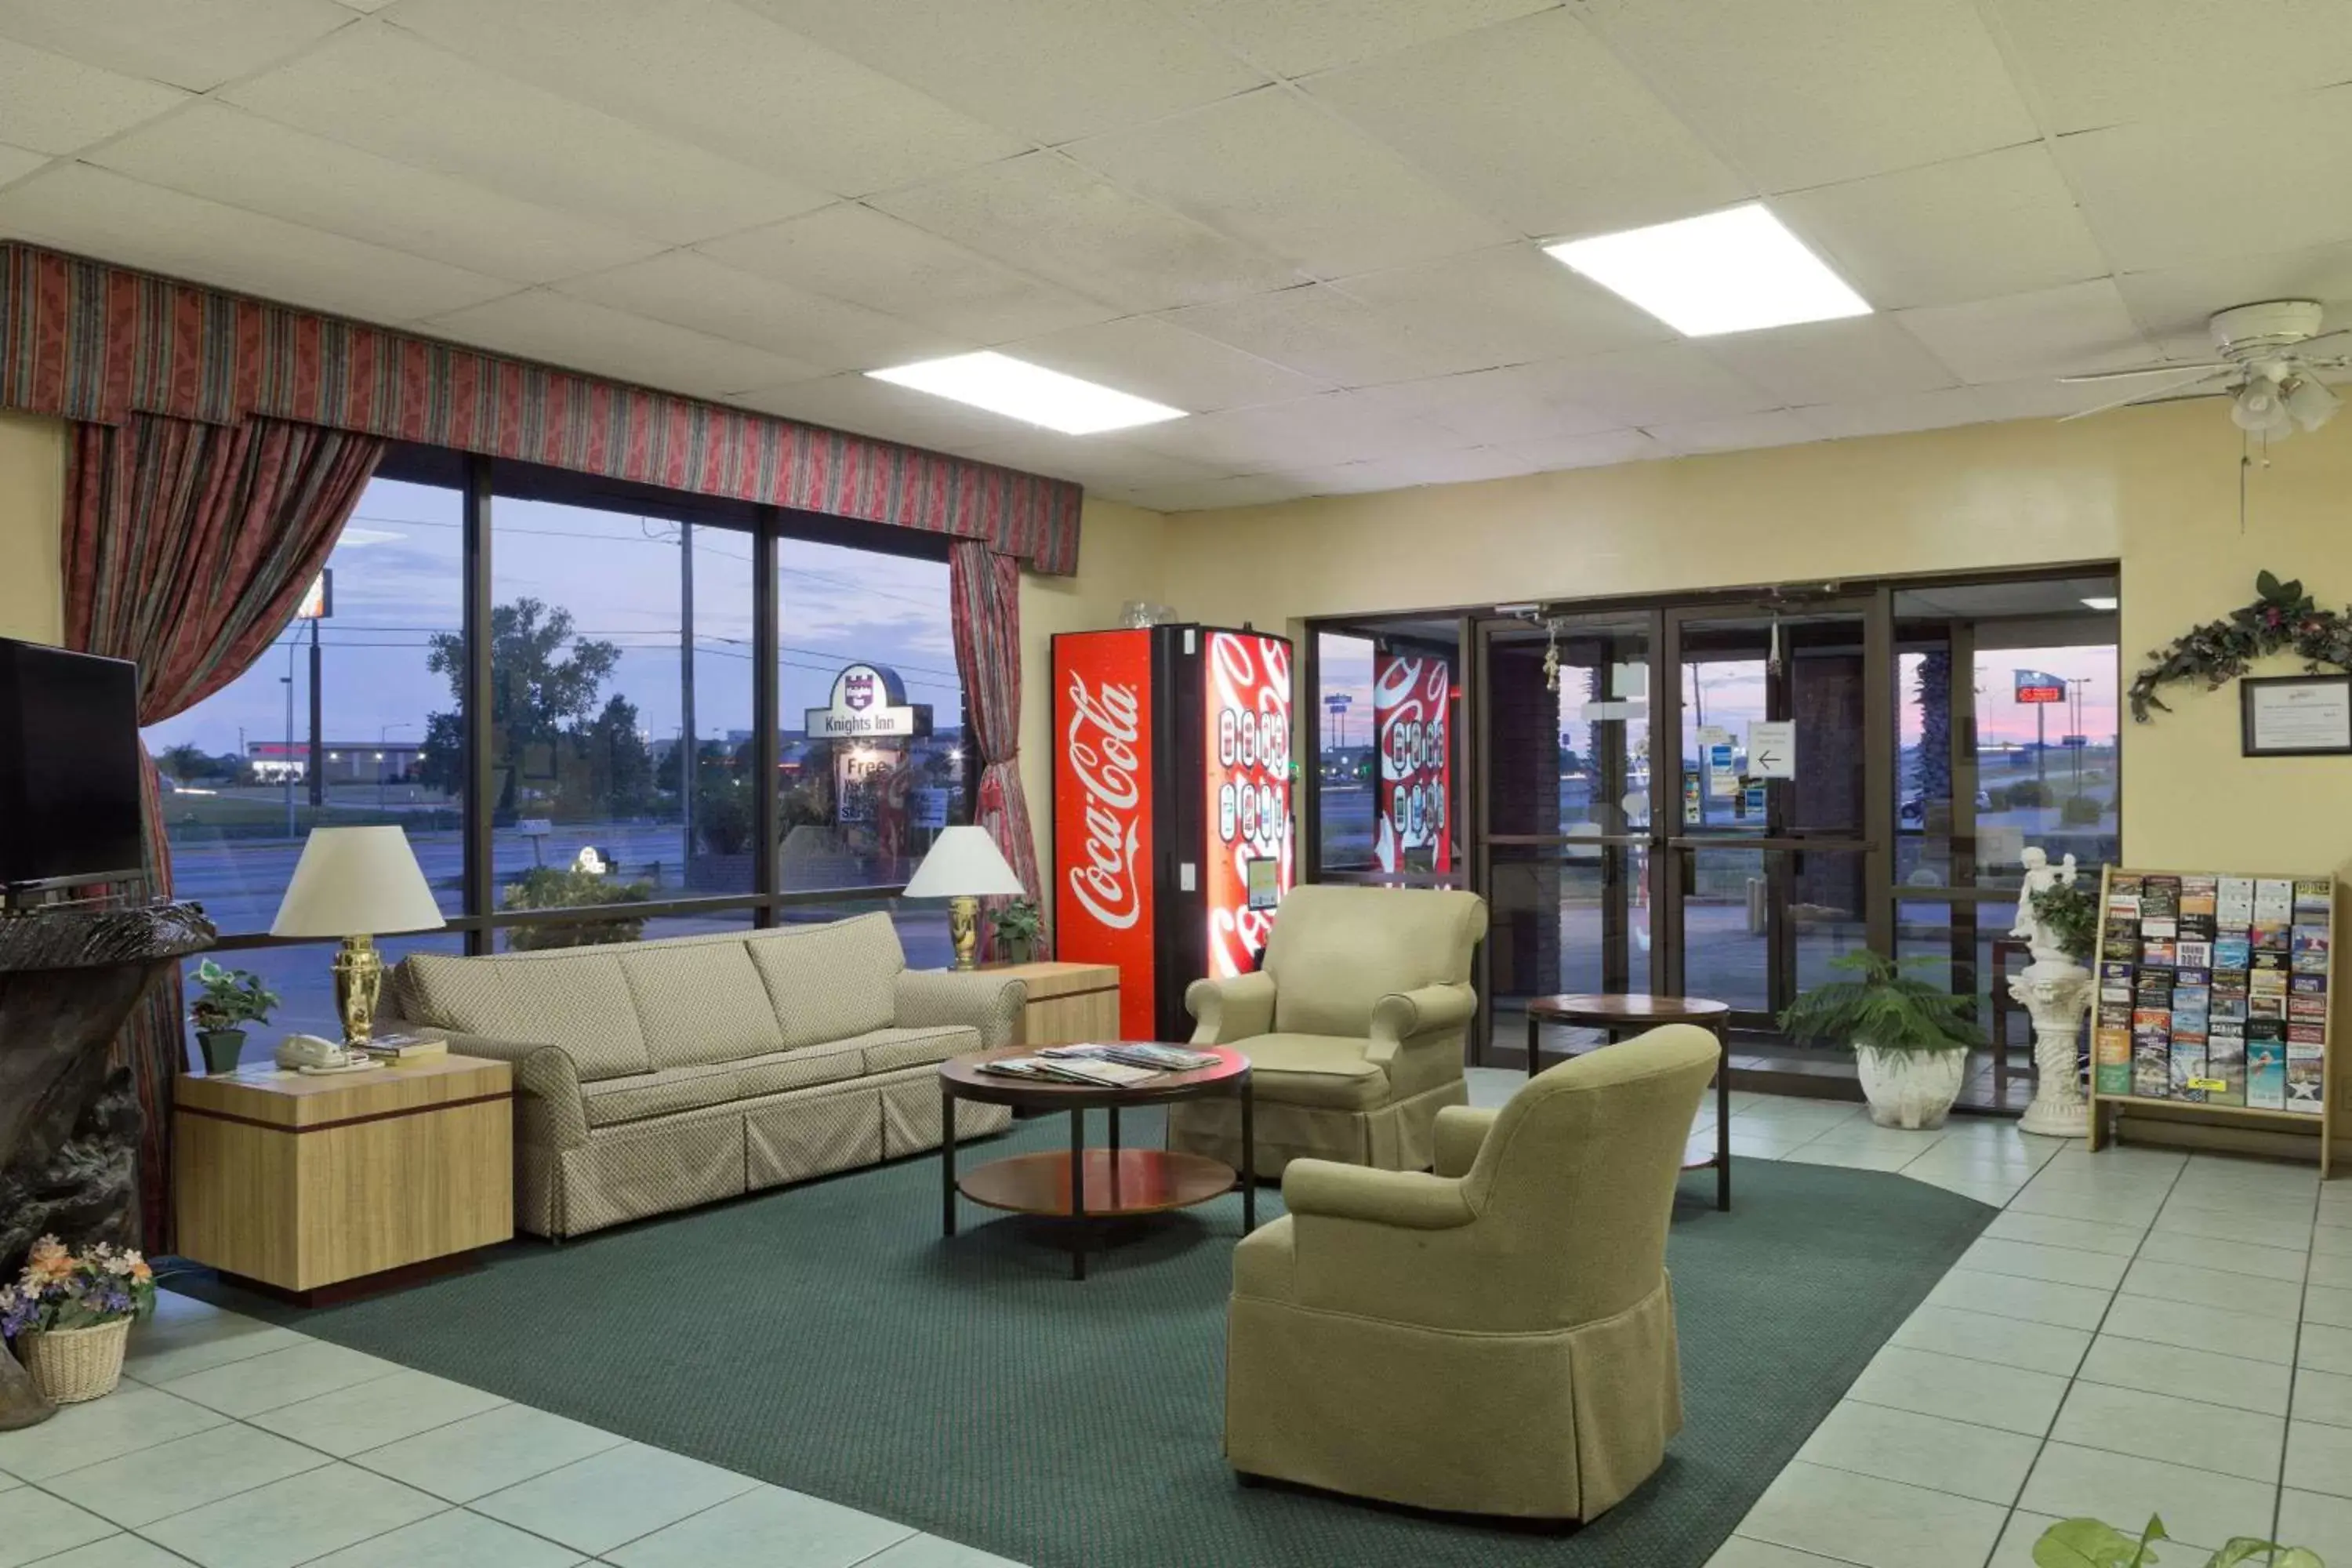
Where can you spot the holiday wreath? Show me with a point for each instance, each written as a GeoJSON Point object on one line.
{"type": "Point", "coordinates": [2283, 619]}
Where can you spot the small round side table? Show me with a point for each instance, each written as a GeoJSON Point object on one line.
{"type": "Point", "coordinates": [1631, 1013]}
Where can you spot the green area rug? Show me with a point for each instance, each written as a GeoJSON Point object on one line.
{"type": "Point", "coordinates": [825, 1339]}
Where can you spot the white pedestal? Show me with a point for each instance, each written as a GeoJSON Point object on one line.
{"type": "Point", "coordinates": [2054, 991]}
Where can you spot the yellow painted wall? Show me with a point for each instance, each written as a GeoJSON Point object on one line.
{"type": "Point", "coordinates": [32, 498]}
{"type": "Point", "coordinates": [1120, 557]}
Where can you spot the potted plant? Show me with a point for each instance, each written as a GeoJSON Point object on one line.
{"type": "Point", "coordinates": [228, 1000]}
{"type": "Point", "coordinates": [1910, 1039]}
{"type": "Point", "coordinates": [1018, 926]}
{"type": "Point", "coordinates": [2091, 1543]}
{"type": "Point", "coordinates": [2070, 915]}
{"type": "Point", "coordinates": [68, 1314]}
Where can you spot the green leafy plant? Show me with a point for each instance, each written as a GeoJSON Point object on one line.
{"type": "Point", "coordinates": [1018, 920]}
{"type": "Point", "coordinates": [2090, 1543]}
{"type": "Point", "coordinates": [566, 888]}
{"type": "Point", "coordinates": [2070, 911]}
{"type": "Point", "coordinates": [2282, 618]}
{"type": "Point", "coordinates": [1884, 1009]}
{"type": "Point", "coordinates": [229, 998]}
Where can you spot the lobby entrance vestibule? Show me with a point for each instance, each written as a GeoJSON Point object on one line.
{"type": "Point", "coordinates": [1718, 795]}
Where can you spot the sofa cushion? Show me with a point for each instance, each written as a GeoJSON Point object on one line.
{"type": "Point", "coordinates": [578, 1000]}
{"type": "Point", "coordinates": [1314, 1069]}
{"type": "Point", "coordinates": [699, 1002]}
{"type": "Point", "coordinates": [885, 1051]}
{"type": "Point", "coordinates": [778, 1071]}
{"type": "Point", "coordinates": [613, 1101]}
{"type": "Point", "coordinates": [830, 982]}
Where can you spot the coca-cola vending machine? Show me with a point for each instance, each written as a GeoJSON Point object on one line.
{"type": "Point", "coordinates": [1172, 808]}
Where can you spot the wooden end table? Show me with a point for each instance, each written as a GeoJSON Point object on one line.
{"type": "Point", "coordinates": [1091, 1185]}
{"type": "Point", "coordinates": [1069, 1004]}
{"type": "Point", "coordinates": [1622, 1015]}
{"type": "Point", "coordinates": [319, 1187]}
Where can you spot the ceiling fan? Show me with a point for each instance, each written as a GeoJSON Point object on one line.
{"type": "Point", "coordinates": [2266, 370]}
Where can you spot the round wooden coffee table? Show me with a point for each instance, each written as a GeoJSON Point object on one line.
{"type": "Point", "coordinates": [1616, 1015]}
{"type": "Point", "coordinates": [1090, 1185]}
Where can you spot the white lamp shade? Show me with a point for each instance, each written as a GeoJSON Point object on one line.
{"type": "Point", "coordinates": [964, 863]}
{"type": "Point", "coordinates": [356, 881]}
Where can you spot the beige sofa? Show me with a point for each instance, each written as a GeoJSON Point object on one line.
{"type": "Point", "coordinates": [653, 1076]}
{"type": "Point", "coordinates": [1497, 1337]}
{"type": "Point", "coordinates": [1354, 1029]}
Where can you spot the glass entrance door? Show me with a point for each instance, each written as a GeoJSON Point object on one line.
{"type": "Point", "coordinates": [1773, 844]}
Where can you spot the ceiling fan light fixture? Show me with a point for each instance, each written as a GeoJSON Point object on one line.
{"type": "Point", "coordinates": [2307, 400]}
{"type": "Point", "coordinates": [2259, 410]}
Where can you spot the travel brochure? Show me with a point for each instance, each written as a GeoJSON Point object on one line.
{"type": "Point", "coordinates": [1118, 1065]}
{"type": "Point", "coordinates": [2213, 990]}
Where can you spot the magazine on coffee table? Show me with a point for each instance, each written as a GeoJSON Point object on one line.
{"type": "Point", "coordinates": [1093, 1073]}
{"type": "Point", "coordinates": [1155, 1057]}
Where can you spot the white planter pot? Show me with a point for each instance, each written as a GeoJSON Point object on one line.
{"type": "Point", "coordinates": [1910, 1089]}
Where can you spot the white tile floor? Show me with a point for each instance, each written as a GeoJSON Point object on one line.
{"type": "Point", "coordinates": [2135, 1331]}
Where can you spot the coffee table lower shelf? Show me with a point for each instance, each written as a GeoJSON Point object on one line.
{"type": "Point", "coordinates": [1119, 1183]}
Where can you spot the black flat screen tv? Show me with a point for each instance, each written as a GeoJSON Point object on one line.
{"type": "Point", "coordinates": [70, 762]}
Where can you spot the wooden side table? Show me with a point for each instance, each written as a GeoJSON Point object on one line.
{"type": "Point", "coordinates": [1622, 1014]}
{"type": "Point", "coordinates": [316, 1187]}
{"type": "Point", "coordinates": [1069, 1004]}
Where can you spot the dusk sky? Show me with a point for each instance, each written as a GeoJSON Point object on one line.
{"type": "Point", "coordinates": [397, 580]}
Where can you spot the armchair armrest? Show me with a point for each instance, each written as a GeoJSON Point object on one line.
{"type": "Point", "coordinates": [1404, 1017]}
{"type": "Point", "coordinates": [1461, 1133]}
{"type": "Point", "coordinates": [989, 1003]}
{"type": "Point", "coordinates": [1230, 1010]}
{"type": "Point", "coordinates": [549, 1109]}
{"type": "Point", "coordinates": [1409, 1200]}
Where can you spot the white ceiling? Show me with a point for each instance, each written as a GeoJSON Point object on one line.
{"type": "Point", "coordinates": [1311, 222]}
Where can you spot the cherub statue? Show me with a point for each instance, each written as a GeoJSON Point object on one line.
{"type": "Point", "coordinates": [2040, 875]}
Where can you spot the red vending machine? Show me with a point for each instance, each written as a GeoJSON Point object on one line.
{"type": "Point", "coordinates": [1172, 808]}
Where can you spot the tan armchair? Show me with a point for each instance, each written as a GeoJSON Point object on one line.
{"type": "Point", "coordinates": [1354, 1029]}
{"type": "Point", "coordinates": [1497, 1337]}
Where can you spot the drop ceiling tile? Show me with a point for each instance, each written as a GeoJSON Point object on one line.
{"type": "Point", "coordinates": [723, 78]}
{"type": "Point", "coordinates": [374, 87]}
{"type": "Point", "coordinates": [1540, 124]}
{"type": "Point", "coordinates": [1051, 69]}
{"type": "Point", "coordinates": [1829, 362]}
{"type": "Point", "coordinates": [1516, 403]}
{"type": "Point", "coordinates": [51, 104]}
{"type": "Point", "coordinates": [1331, 428]}
{"type": "Point", "coordinates": [859, 403]}
{"type": "Point", "coordinates": [1097, 462]}
{"type": "Point", "coordinates": [1070, 225]}
{"type": "Point", "coordinates": [1884, 414]}
{"type": "Point", "coordinates": [2231, 182]}
{"type": "Point", "coordinates": [2103, 62]}
{"type": "Point", "coordinates": [2053, 332]}
{"type": "Point", "coordinates": [1270, 168]}
{"type": "Point", "coordinates": [93, 212]}
{"type": "Point", "coordinates": [16, 162]}
{"type": "Point", "coordinates": [1802, 92]}
{"type": "Point", "coordinates": [1302, 36]}
{"type": "Point", "coordinates": [1741, 432]}
{"type": "Point", "coordinates": [1594, 451]}
{"type": "Point", "coordinates": [854, 253]}
{"type": "Point", "coordinates": [1670, 383]}
{"type": "Point", "coordinates": [1997, 222]}
{"type": "Point", "coordinates": [1320, 332]}
{"type": "Point", "coordinates": [690, 290]}
{"type": "Point", "coordinates": [2046, 397]}
{"type": "Point", "coordinates": [229, 156]}
{"type": "Point", "coordinates": [574, 334]}
{"type": "Point", "coordinates": [195, 46]}
{"type": "Point", "coordinates": [1149, 358]}
{"type": "Point", "coordinates": [1503, 306]}
{"type": "Point", "coordinates": [1240, 490]}
{"type": "Point", "coordinates": [1466, 465]}
{"type": "Point", "coordinates": [2172, 303]}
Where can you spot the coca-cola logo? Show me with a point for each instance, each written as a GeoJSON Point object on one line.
{"type": "Point", "coordinates": [1100, 745]}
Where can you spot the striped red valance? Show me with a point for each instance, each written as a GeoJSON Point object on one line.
{"type": "Point", "coordinates": [90, 341]}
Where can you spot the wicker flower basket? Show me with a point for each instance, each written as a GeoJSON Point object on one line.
{"type": "Point", "coordinates": [69, 1365]}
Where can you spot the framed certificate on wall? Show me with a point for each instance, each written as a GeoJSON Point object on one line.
{"type": "Point", "coordinates": [2296, 716]}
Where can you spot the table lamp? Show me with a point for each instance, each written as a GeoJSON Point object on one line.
{"type": "Point", "coordinates": [357, 883]}
{"type": "Point", "coordinates": [963, 867]}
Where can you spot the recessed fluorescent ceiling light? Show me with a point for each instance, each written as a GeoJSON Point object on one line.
{"type": "Point", "coordinates": [2097, 602]}
{"type": "Point", "coordinates": [1728, 272]}
{"type": "Point", "coordinates": [1003, 384]}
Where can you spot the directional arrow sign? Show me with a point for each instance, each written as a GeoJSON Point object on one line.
{"type": "Point", "coordinates": [1772, 749]}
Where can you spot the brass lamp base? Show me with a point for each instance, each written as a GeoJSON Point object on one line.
{"type": "Point", "coordinates": [963, 930]}
{"type": "Point", "coordinates": [359, 981]}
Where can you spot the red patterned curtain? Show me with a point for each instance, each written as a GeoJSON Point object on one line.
{"type": "Point", "coordinates": [187, 548]}
{"type": "Point", "coordinates": [984, 589]}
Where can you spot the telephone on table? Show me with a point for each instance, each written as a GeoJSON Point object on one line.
{"type": "Point", "coordinates": [300, 1051]}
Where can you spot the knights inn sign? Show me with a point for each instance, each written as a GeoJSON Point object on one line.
{"type": "Point", "coordinates": [869, 703]}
